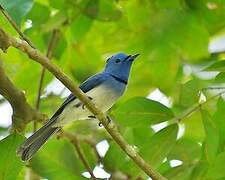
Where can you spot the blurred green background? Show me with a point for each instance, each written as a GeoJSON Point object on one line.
{"type": "Point", "coordinates": [181, 45]}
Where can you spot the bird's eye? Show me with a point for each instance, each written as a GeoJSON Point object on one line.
{"type": "Point", "coordinates": [118, 60]}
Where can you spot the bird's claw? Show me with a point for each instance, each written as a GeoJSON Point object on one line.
{"type": "Point", "coordinates": [109, 120]}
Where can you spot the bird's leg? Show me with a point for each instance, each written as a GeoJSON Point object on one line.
{"type": "Point", "coordinates": [109, 120]}
{"type": "Point", "coordinates": [88, 98]}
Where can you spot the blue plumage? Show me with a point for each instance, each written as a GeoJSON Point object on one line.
{"type": "Point", "coordinates": [103, 89]}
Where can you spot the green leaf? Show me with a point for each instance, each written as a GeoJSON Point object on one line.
{"type": "Point", "coordinates": [17, 8]}
{"type": "Point", "coordinates": [200, 170]}
{"type": "Point", "coordinates": [186, 150]}
{"type": "Point", "coordinates": [10, 163]}
{"type": "Point", "coordinates": [57, 160]}
{"type": "Point", "coordinates": [217, 66]}
{"type": "Point", "coordinates": [122, 162]}
{"type": "Point", "coordinates": [89, 153]}
{"type": "Point", "coordinates": [80, 26]}
{"type": "Point", "coordinates": [156, 149]}
{"type": "Point", "coordinates": [142, 111]}
{"type": "Point", "coordinates": [220, 78]}
{"type": "Point", "coordinates": [59, 46]}
{"type": "Point", "coordinates": [34, 14]}
{"type": "Point", "coordinates": [218, 118]}
{"type": "Point", "coordinates": [180, 172]}
{"type": "Point", "coordinates": [55, 22]}
{"type": "Point", "coordinates": [212, 136]}
{"type": "Point", "coordinates": [189, 93]}
{"type": "Point", "coordinates": [216, 170]}
{"type": "Point", "coordinates": [102, 10]}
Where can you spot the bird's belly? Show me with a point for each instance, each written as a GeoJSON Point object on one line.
{"type": "Point", "coordinates": [103, 97]}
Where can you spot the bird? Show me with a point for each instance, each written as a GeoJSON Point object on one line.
{"type": "Point", "coordinates": [103, 89]}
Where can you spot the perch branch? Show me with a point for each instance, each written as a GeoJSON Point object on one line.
{"type": "Point", "coordinates": [36, 55]}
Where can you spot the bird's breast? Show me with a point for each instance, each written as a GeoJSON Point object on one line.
{"type": "Point", "coordinates": [103, 96]}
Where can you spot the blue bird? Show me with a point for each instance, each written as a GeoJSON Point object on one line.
{"type": "Point", "coordinates": [103, 89]}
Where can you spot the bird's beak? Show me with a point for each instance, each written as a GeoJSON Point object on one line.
{"type": "Point", "coordinates": [133, 57]}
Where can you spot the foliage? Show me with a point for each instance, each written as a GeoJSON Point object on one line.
{"type": "Point", "coordinates": [172, 38]}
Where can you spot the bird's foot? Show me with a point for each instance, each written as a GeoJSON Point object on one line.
{"type": "Point", "coordinates": [109, 120]}
{"type": "Point", "coordinates": [83, 106]}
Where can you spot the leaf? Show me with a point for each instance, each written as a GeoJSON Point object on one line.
{"type": "Point", "coordinates": [34, 14]}
{"type": "Point", "coordinates": [200, 170]}
{"type": "Point", "coordinates": [217, 66]}
{"type": "Point", "coordinates": [80, 26]}
{"type": "Point", "coordinates": [186, 150]}
{"type": "Point", "coordinates": [57, 160]}
{"type": "Point", "coordinates": [212, 136]}
{"type": "Point", "coordinates": [218, 118]}
{"type": "Point", "coordinates": [10, 163]}
{"type": "Point", "coordinates": [141, 111]}
{"type": "Point", "coordinates": [55, 21]}
{"type": "Point", "coordinates": [156, 149]}
{"type": "Point", "coordinates": [17, 8]}
{"type": "Point", "coordinates": [102, 10]}
{"type": "Point", "coordinates": [60, 46]}
{"type": "Point", "coordinates": [181, 172]}
{"type": "Point", "coordinates": [189, 93]}
{"type": "Point", "coordinates": [216, 170]}
{"type": "Point", "coordinates": [89, 154]}
{"type": "Point", "coordinates": [220, 78]}
{"type": "Point", "coordinates": [122, 162]}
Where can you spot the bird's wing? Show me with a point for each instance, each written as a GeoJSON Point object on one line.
{"type": "Point", "coordinates": [87, 85]}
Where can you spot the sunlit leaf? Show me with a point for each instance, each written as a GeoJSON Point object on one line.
{"type": "Point", "coordinates": [142, 111]}
{"type": "Point", "coordinates": [189, 93]}
{"type": "Point", "coordinates": [186, 150]}
{"type": "Point", "coordinates": [159, 145]}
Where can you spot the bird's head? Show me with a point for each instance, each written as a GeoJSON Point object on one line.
{"type": "Point", "coordinates": [119, 65]}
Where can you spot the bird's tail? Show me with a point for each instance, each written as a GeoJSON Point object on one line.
{"type": "Point", "coordinates": [35, 141]}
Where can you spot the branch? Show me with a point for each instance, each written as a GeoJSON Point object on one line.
{"type": "Point", "coordinates": [37, 56]}
{"type": "Point", "coordinates": [195, 108]}
{"type": "Point", "coordinates": [73, 139]}
{"type": "Point", "coordinates": [23, 113]}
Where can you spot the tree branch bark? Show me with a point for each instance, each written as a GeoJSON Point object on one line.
{"type": "Point", "coordinates": [36, 55]}
{"type": "Point", "coordinates": [23, 113]}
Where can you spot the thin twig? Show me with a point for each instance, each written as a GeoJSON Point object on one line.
{"type": "Point", "coordinates": [195, 108]}
{"type": "Point", "coordinates": [73, 139]}
{"type": "Point", "coordinates": [212, 88]}
{"type": "Point", "coordinates": [51, 45]}
{"type": "Point", "coordinates": [12, 22]}
{"type": "Point", "coordinates": [112, 129]}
